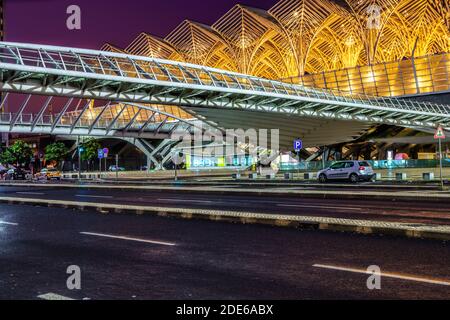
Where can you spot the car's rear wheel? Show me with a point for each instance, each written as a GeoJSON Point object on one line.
{"type": "Point", "coordinates": [354, 178]}
{"type": "Point", "coordinates": [323, 178]}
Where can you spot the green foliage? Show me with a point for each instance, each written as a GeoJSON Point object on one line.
{"type": "Point", "coordinates": [7, 158]}
{"type": "Point", "coordinates": [91, 147]}
{"type": "Point", "coordinates": [56, 152]}
{"type": "Point", "coordinates": [19, 153]}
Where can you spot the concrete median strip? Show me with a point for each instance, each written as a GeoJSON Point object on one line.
{"type": "Point", "coordinates": [411, 230]}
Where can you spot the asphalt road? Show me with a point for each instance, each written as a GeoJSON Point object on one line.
{"type": "Point", "coordinates": [393, 186]}
{"type": "Point", "coordinates": [147, 257]}
{"type": "Point", "coordinates": [409, 212]}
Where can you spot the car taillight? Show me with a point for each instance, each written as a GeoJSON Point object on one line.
{"type": "Point", "coordinates": [362, 168]}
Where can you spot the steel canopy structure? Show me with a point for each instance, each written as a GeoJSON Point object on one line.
{"type": "Point", "coordinates": [116, 77]}
{"type": "Point", "coordinates": [295, 38]}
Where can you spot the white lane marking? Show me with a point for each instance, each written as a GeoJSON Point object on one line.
{"type": "Point", "coordinates": [127, 238]}
{"type": "Point", "coordinates": [31, 193]}
{"type": "Point", "coordinates": [54, 296]}
{"type": "Point", "coordinates": [185, 200]}
{"type": "Point", "coordinates": [386, 274]}
{"type": "Point", "coordinates": [91, 196]}
{"type": "Point", "coordinates": [319, 207]}
{"type": "Point", "coordinates": [9, 223]}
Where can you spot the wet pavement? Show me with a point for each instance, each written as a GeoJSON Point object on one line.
{"type": "Point", "coordinates": [437, 212]}
{"type": "Point", "coordinates": [146, 257]}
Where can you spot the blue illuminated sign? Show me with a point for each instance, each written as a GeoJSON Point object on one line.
{"type": "Point", "coordinates": [298, 145]}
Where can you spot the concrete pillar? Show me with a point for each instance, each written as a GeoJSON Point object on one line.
{"type": "Point", "coordinates": [146, 148]}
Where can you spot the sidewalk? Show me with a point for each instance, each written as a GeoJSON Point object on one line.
{"type": "Point", "coordinates": [413, 174]}
{"type": "Point", "coordinates": [153, 175]}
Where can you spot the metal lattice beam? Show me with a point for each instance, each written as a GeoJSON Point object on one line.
{"type": "Point", "coordinates": [175, 84]}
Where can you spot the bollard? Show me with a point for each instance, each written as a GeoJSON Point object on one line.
{"type": "Point", "coordinates": [253, 176]}
{"type": "Point", "coordinates": [378, 176]}
{"type": "Point", "coordinates": [309, 176]}
{"type": "Point", "coordinates": [401, 176]}
{"type": "Point", "coordinates": [288, 176]}
{"type": "Point", "coordinates": [428, 176]}
{"type": "Point", "coordinates": [270, 176]}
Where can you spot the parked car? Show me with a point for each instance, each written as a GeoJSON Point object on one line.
{"type": "Point", "coordinates": [16, 174]}
{"type": "Point", "coordinates": [115, 168]}
{"type": "Point", "coordinates": [353, 171]}
{"type": "Point", "coordinates": [48, 174]}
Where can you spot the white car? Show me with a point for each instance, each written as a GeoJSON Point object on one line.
{"type": "Point", "coordinates": [115, 168]}
{"type": "Point", "coordinates": [353, 171]}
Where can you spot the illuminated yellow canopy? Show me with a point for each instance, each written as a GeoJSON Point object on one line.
{"type": "Point", "coordinates": [306, 36]}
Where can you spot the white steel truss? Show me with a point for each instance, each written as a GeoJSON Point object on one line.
{"type": "Point", "coordinates": [157, 124]}
{"type": "Point", "coordinates": [116, 77]}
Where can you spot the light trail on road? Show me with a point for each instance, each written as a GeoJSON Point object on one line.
{"type": "Point", "coordinates": [386, 274]}
{"type": "Point", "coordinates": [128, 238]}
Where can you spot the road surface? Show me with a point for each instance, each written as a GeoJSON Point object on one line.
{"type": "Point", "coordinates": [409, 212]}
{"type": "Point", "coordinates": [147, 257]}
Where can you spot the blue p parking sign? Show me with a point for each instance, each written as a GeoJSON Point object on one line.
{"type": "Point", "coordinates": [298, 145]}
{"type": "Point", "coordinates": [101, 155]}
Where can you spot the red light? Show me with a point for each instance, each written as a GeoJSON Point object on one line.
{"type": "Point", "coordinates": [362, 168]}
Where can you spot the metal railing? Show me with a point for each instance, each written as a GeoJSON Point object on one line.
{"type": "Point", "coordinates": [70, 64]}
{"type": "Point", "coordinates": [376, 164]}
{"type": "Point", "coordinates": [68, 121]}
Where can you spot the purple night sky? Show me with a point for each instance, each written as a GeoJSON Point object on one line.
{"type": "Point", "coordinates": [114, 21]}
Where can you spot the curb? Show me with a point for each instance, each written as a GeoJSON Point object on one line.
{"type": "Point", "coordinates": [262, 183]}
{"type": "Point", "coordinates": [366, 227]}
{"type": "Point", "coordinates": [303, 194]}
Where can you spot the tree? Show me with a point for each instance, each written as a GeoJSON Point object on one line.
{"type": "Point", "coordinates": [56, 152]}
{"type": "Point", "coordinates": [90, 150]}
{"type": "Point", "coordinates": [19, 153]}
{"type": "Point", "coordinates": [7, 158]}
{"type": "Point", "coordinates": [91, 147]}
